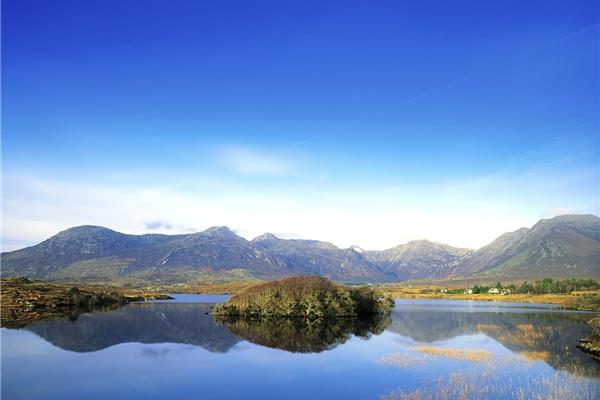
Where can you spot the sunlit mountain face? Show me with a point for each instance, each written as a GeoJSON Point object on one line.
{"type": "Point", "coordinates": [564, 246]}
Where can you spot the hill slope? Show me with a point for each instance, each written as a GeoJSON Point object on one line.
{"type": "Point", "coordinates": [419, 259]}
{"type": "Point", "coordinates": [564, 246]}
{"type": "Point", "coordinates": [97, 253]}
{"type": "Point", "coordinates": [322, 258]}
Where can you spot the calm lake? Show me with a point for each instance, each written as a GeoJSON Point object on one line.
{"type": "Point", "coordinates": [425, 349]}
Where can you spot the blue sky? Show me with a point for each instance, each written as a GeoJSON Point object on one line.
{"type": "Point", "coordinates": [369, 123]}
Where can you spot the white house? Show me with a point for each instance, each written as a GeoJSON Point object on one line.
{"type": "Point", "coordinates": [493, 291]}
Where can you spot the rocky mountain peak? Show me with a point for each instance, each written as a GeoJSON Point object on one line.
{"type": "Point", "coordinates": [420, 243]}
{"type": "Point", "coordinates": [586, 223]}
{"type": "Point", "coordinates": [265, 237]}
{"type": "Point", "coordinates": [85, 230]}
{"type": "Point", "coordinates": [219, 231]}
{"type": "Point", "coordinates": [357, 249]}
{"type": "Point", "coordinates": [564, 246]}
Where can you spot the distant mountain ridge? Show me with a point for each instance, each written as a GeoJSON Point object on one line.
{"type": "Point", "coordinates": [419, 259]}
{"type": "Point", "coordinates": [562, 246]}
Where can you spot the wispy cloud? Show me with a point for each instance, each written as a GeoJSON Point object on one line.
{"type": "Point", "coordinates": [167, 227]}
{"type": "Point", "coordinates": [251, 162]}
{"type": "Point", "coordinates": [158, 225]}
{"type": "Point", "coordinates": [469, 212]}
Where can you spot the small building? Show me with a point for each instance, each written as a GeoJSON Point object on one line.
{"type": "Point", "coordinates": [469, 291]}
{"type": "Point", "coordinates": [494, 291]}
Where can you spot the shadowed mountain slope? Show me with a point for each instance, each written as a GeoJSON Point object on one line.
{"type": "Point", "coordinates": [142, 323]}
{"type": "Point", "coordinates": [564, 246]}
{"type": "Point", "coordinates": [419, 259]}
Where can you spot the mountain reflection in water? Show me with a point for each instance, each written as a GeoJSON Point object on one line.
{"type": "Point", "coordinates": [423, 349]}
{"type": "Point", "coordinates": [298, 336]}
{"type": "Point", "coordinates": [186, 323]}
{"type": "Point", "coordinates": [542, 336]}
{"type": "Point", "coordinates": [536, 334]}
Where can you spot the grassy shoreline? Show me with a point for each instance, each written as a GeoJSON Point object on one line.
{"type": "Point", "coordinates": [583, 301]}
{"type": "Point", "coordinates": [25, 301]}
{"type": "Point", "coordinates": [579, 300]}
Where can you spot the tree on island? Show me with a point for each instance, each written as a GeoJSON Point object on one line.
{"type": "Point", "coordinates": [308, 297]}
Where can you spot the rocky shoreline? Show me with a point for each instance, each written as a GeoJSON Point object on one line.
{"type": "Point", "coordinates": [24, 301]}
{"type": "Point", "coordinates": [591, 343]}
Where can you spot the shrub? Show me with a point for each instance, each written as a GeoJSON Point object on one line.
{"type": "Point", "coordinates": [308, 297]}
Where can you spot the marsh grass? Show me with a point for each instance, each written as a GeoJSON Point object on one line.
{"type": "Point", "coordinates": [536, 355]}
{"type": "Point", "coordinates": [402, 360]}
{"type": "Point", "coordinates": [490, 381]}
{"type": "Point", "coordinates": [462, 354]}
{"type": "Point", "coordinates": [488, 327]}
{"type": "Point", "coordinates": [529, 335]}
{"type": "Point", "coordinates": [530, 332]}
{"type": "Point", "coordinates": [423, 355]}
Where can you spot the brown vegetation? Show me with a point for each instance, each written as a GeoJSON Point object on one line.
{"type": "Point", "coordinates": [488, 380]}
{"type": "Point", "coordinates": [23, 300]}
{"type": "Point", "coordinates": [308, 297]}
{"type": "Point", "coordinates": [402, 360]}
{"type": "Point", "coordinates": [536, 355]}
{"type": "Point", "coordinates": [591, 343]}
{"type": "Point", "coordinates": [463, 354]}
{"type": "Point", "coordinates": [300, 336]}
{"type": "Point", "coordinates": [577, 300]}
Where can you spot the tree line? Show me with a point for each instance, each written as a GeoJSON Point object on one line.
{"type": "Point", "coordinates": [547, 285]}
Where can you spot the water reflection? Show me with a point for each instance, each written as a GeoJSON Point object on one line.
{"type": "Point", "coordinates": [298, 336]}
{"type": "Point", "coordinates": [537, 335]}
{"type": "Point", "coordinates": [186, 323]}
{"type": "Point", "coordinates": [423, 350]}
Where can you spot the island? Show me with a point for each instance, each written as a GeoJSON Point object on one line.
{"type": "Point", "coordinates": [307, 297]}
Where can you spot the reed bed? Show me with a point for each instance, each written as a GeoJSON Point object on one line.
{"type": "Point", "coordinates": [462, 354]}
{"type": "Point", "coordinates": [491, 382]}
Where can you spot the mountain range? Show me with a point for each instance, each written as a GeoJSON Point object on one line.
{"type": "Point", "coordinates": [563, 246]}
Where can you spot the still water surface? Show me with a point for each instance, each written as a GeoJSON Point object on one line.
{"type": "Point", "coordinates": [426, 349]}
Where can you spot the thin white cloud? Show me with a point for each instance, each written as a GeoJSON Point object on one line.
{"type": "Point", "coordinates": [465, 213]}
{"type": "Point", "coordinates": [158, 226]}
{"type": "Point", "coordinates": [166, 227]}
{"type": "Point", "coordinates": [250, 162]}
